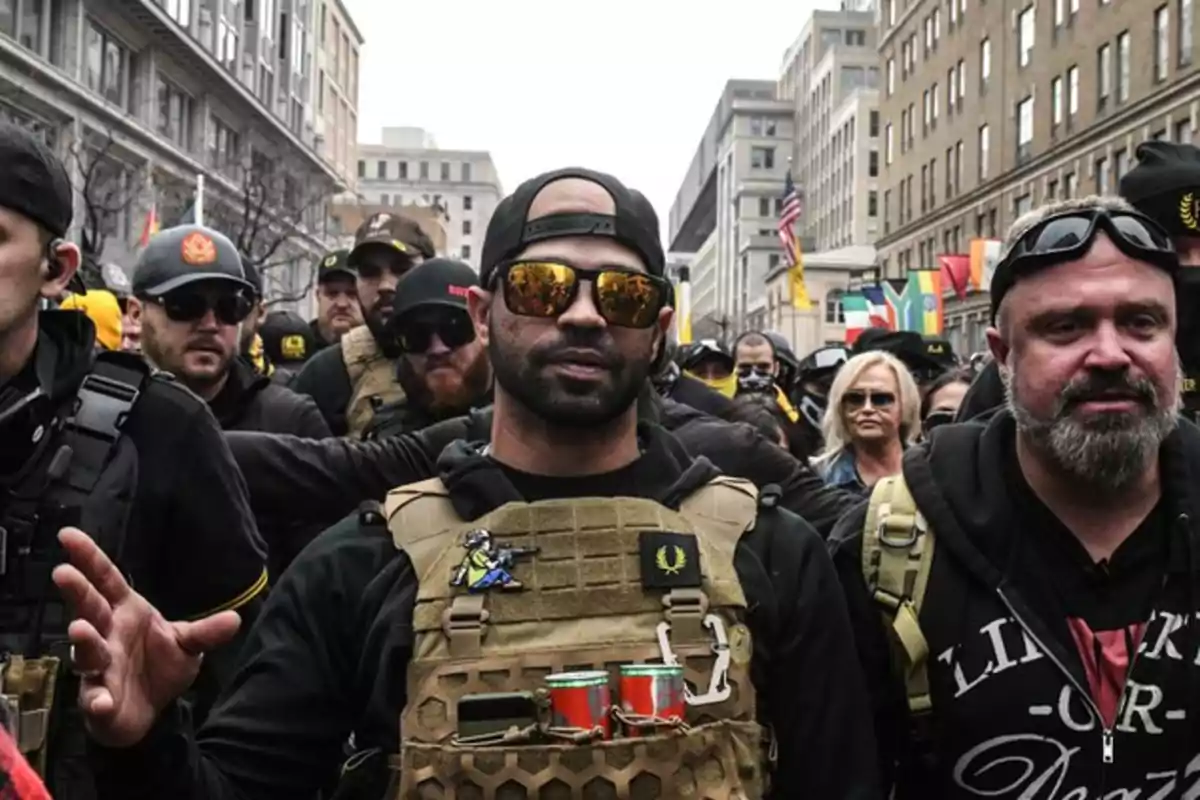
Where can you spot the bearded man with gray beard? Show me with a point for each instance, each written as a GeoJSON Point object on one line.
{"type": "Point", "coordinates": [1024, 595]}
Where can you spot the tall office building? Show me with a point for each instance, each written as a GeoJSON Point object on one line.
{"type": "Point", "coordinates": [408, 168]}
{"type": "Point", "coordinates": [831, 73]}
{"type": "Point", "coordinates": [992, 108]}
{"type": "Point", "coordinates": [726, 210]}
{"type": "Point", "coordinates": [337, 42]}
{"type": "Point", "coordinates": [136, 95]}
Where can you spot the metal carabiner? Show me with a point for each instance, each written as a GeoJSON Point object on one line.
{"type": "Point", "coordinates": [718, 685]}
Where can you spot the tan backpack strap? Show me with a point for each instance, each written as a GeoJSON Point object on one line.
{"type": "Point", "coordinates": [358, 348]}
{"type": "Point", "coordinates": [897, 556]}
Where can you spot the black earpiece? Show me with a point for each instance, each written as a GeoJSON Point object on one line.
{"type": "Point", "coordinates": [54, 268]}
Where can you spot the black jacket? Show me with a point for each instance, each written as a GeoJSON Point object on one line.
{"type": "Point", "coordinates": [325, 480]}
{"type": "Point", "coordinates": [1013, 716]}
{"type": "Point", "coordinates": [985, 395]}
{"type": "Point", "coordinates": [324, 378]}
{"type": "Point", "coordinates": [252, 402]}
{"type": "Point", "coordinates": [328, 656]}
{"type": "Point", "coordinates": [700, 396]}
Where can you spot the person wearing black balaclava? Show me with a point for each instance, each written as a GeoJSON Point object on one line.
{"type": "Point", "coordinates": [1165, 186]}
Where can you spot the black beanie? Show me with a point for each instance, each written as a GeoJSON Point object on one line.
{"type": "Point", "coordinates": [1165, 186]}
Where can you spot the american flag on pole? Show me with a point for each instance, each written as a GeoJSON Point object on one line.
{"type": "Point", "coordinates": [788, 216]}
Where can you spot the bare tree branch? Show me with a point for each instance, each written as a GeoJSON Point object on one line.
{"type": "Point", "coordinates": [109, 187]}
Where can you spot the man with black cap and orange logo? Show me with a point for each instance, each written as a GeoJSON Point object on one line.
{"type": "Point", "coordinates": [578, 549]}
{"type": "Point", "coordinates": [1165, 186]}
{"type": "Point", "coordinates": [192, 298]}
{"type": "Point", "coordinates": [443, 367]}
{"type": "Point", "coordinates": [338, 311]}
{"type": "Point", "coordinates": [94, 440]}
{"type": "Point", "coordinates": [351, 381]}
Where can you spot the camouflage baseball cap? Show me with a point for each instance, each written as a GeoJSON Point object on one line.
{"type": "Point", "coordinates": [392, 230]}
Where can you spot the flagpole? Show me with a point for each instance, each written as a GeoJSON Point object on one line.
{"type": "Point", "coordinates": [199, 206]}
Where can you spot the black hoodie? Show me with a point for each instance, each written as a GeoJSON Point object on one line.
{"type": "Point", "coordinates": [252, 402]}
{"type": "Point", "coordinates": [1015, 669]}
{"type": "Point", "coordinates": [327, 657]}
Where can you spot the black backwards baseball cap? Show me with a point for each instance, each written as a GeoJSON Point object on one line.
{"type": "Point", "coordinates": [188, 254]}
{"type": "Point", "coordinates": [33, 180]}
{"type": "Point", "coordinates": [634, 224]}
{"type": "Point", "coordinates": [335, 264]}
{"type": "Point", "coordinates": [1165, 186]}
{"type": "Point", "coordinates": [437, 282]}
{"type": "Point", "coordinates": [400, 233]}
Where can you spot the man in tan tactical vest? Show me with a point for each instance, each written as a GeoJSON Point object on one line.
{"type": "Point", "coordinates": [577, 609]}
{"type": "Point", "coordinates": [353, 378]}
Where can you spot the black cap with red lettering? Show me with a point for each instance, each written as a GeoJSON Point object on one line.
{"type": "Point", "coordinates": [437, 282]}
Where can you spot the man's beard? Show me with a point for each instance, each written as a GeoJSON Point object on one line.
{"type": "Point", "coordinates": [562, 402]}
{"type": "Point", "coordinates": [1107, 452]}
{"type": "Point", "coordinates": [473, 390]}
{"type": "Point", "coordinates": [377, 322]}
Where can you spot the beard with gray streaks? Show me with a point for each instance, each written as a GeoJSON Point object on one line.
{"type": "Point", "coordinates": [1106, 452]}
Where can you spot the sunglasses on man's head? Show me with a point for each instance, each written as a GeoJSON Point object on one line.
{"type": "Point", "coordinates": [453, 329]}
{"type": "Point", "coordinates": [1068, 236]}
{"type": "Point", "coordinates": [855, 400]}
{"type": "Point", "coordinates": [547, 288]}
{"type": "Point", "coordinates": [189, 305]}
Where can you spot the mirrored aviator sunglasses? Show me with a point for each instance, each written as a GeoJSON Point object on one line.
{"type": "Point", "coordinates": [1068, 236]}
{"type": "Point", "coordinates": [182, 305]}
{"type": "Point", "coordinates": [623, 297]}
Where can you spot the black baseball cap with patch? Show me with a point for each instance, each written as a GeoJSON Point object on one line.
{"type": "Point", "coordinates": [1165, 186]}
{"type": "Point", "coordinates": [635, 224]}
{"type": "Point", "coordinates": [335, 264]}
{"type": "Point", "coordinates": [437, 282]}
{"type": "Point", "coordinates": [391, 230]}
{"type": "Point", "coordinates": [188, 254]}
{"type": "Point", "coordinates": [287, 338]}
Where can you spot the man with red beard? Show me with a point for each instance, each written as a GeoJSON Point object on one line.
{"type": "Point", "coordinates": [443, 366]}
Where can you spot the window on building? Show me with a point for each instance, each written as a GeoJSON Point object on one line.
{"type": "Point", "coordinates": [764, 206]}
{"type": "Point", "coordinates": [1072, 91]}
{"type": "Point", "coordinates": [891, 76]}
{"type": "Point", "coordinates": [466, 172]}
{"type": "Point", "coordinates": [174, 113]}
{"type": "Point", "coordinates": [1025, 31]}
{"type": "Point", "coordinates": [762, 157]}
{"type": "Point", "coordinates": [1103, 179]}
{"type": "Point", "coordinates": [466, 227]}
{"type": "Point", "coordinates": [1022, 204]}
{"type": "Point", "coordinates": [424, 170]}
{"type": "Point", "coordinates": [1162, 42]}
{"type": "Point", "coordinates": [445, 171]}
{"type": "Point", "coordinates": [1024, 129]}
{"type": "Point", "coordinates": [1070, 186]}
{"type": "Point", "coordinates": [834, 314]}
{"type": "Point", "coordinates": [179, 10]}
{"type": "Point", "coordinates": [466, 252]}
{"type": "Point", "coordinates": [985, 61]}
{"type": "Point", "coordinates": [872, 203]}
{"type": "Point", "coordinates": [887, 145]}
{"type": "Point", "coordinates": [984, 151]}
{"type": "Point", "coordinates": [381, 170]}
{"type": "Point", "coordinates": [1056, 102]}
{"type": "Point", "coordinates": [856, 38]}
{"type": "Point", "coordinates": [468, 202]}
{"type": "Point", "coordinates": [873, 164]}
{"type": "Point", "coordinates": [385, 199]}
{"type": "Point", "coordinates": [1123, 67]}
{"type": "Point", "coordinates": [107, 70]}
{"type": "Point", "coordinates": [1183, 132]}
{"type": "Point", "coordinates": [1185, 32]}
{"type": "Point", "coordinates": [402, 170]}
{"type": "Point", "coordinates": [224, 145]}
{"type": "Point", "coordinates": [962, 81]}
{"type": "Point", "coordinates": [874, 124]}
{"type": "Point", "coordinates": [1121, 163]}
{"type": "Point", "coordinates": [1103, 75]}
{"type": "Point", "coordinates": [362, 168]}
{"type": "Point", "coordinates": [1051, 190]}
{"type": "Point", "coordinates": [1060, 9]}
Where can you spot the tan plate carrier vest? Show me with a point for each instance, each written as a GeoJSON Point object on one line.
{"type": "Point", "coordinates": [372, 375]}
{"type": "Point", "coordinates": [583, 607]}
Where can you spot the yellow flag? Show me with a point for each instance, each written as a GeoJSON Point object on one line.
{"type": "Point", "coordinates": [800, 299]}
{"type": "Point", "coordinates": [683, 325]}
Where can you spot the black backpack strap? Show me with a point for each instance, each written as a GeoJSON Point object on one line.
{"type": "Point", "coordinates": [93, 427]}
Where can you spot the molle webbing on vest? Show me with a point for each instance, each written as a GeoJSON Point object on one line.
{"type": "Point", "coordinates": [372, 376]}
{"type": "Point", "coordinates": [583, 606]}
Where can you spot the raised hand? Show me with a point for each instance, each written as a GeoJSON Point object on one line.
{"type": "Point", "coordinates": [132, 661]}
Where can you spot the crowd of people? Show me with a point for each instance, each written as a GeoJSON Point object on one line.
{"type": "Point", "coordinates": [493, 534]}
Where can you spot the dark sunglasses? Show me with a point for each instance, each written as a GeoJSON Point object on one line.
{"type": "Point", "coordinates": [1069, 236]}
{"type": "Point", "coordinates": [624, 298]}
{"type": "Point", "coordinates": [936, 419]}
{"type": "Point", "coordinates": [181, 305]}
{"type": "Point", "coordinates": [416, 335]}
{"type": "Point", "coordinates": [854, 399]}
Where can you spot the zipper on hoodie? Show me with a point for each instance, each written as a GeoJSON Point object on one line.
{"type": "Point", "coordinates": [1107, 739]}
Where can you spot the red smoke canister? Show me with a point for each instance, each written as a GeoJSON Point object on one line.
{"type": "Point", "coordinates": [581, 701]}
{"type": "Point", "coordinates": [651, 690]}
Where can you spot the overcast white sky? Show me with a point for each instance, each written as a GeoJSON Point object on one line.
{"type": "Point", "coordinates": [624, 86]}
